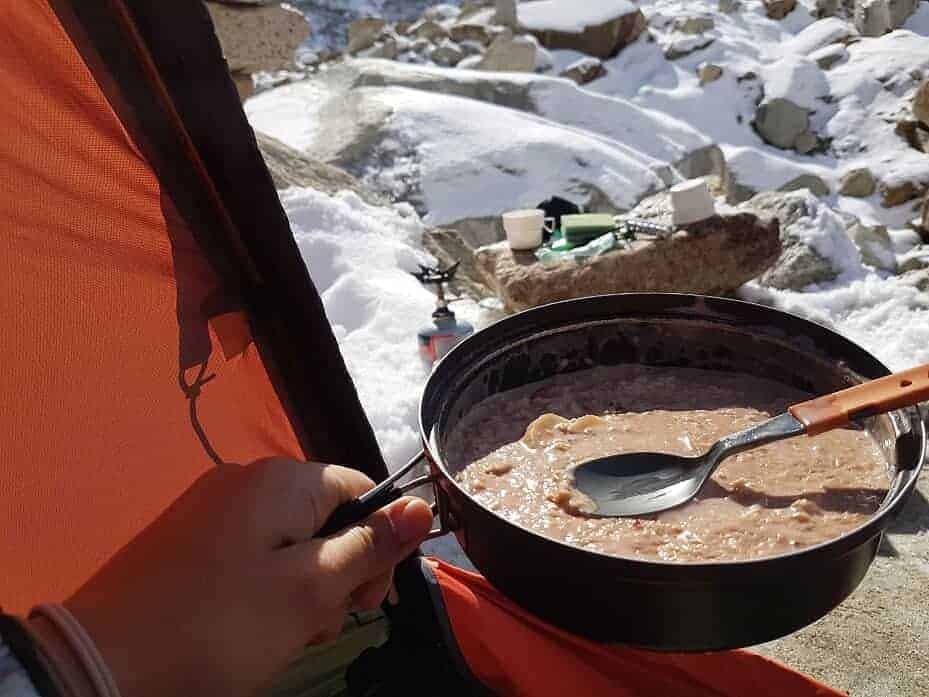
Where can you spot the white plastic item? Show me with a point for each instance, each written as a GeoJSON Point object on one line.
{"type": "Point", "coordinates": [691, 201]}
{"type": "Point", "coordinates": [524, 228]}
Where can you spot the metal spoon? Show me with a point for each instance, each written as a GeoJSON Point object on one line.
{"type": "Point", "coordinates": [634, 484]}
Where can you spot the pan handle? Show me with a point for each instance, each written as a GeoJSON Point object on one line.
{"type": "Point", "coordinates": [356, 510]}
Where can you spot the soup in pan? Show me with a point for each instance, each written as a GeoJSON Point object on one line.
{"type": "Point", "coordinates": [516, 453]}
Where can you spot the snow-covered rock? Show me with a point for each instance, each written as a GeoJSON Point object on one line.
{"type": "Point", "coordinates": [510, 54]}
{"type": "Point", "coordinates": [362, 33]}
{"type": "Point", "coordinates": [598, 28]}
{"type": "Point", "coordinates": [874, 245]}
{"type": "Point", "coordinates": [793, 87]}
{"type": "Point", "coordinates": [819, 35]}
{"type": "Point", "coordinates": [447, 53]}
{"type": "Point", "coordinates": [829, 56]}
{"type": "Point", "coordinates": [584, 70]}
{"type": "Point", "coordinates": [709, 72]}
{"type": "Point", "coordinates": [877, 17]}
{"type": "Point", "coordinates": [921, 104]}
{"type": "Point", "coordinates": [817, 248]}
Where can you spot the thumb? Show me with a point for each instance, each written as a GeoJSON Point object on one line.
{"type": "Point", "coordinates": [368, 550]}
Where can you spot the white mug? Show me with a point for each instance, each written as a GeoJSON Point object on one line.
{"type": "Point", "coordinates": [524, 228]}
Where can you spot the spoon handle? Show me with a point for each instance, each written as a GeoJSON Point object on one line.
{"type": "Point", "coordinates": [874, 397]}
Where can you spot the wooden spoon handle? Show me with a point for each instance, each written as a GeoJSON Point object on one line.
{"type": "Point", "coordinates": [875, 397]}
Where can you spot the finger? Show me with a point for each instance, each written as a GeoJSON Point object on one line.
{"type": "Point", "coordinates": [361, 553]}
{"type": "Point", "coordinates": [305, 494]}
{"type": "Point", "coordinates": [370, 595]}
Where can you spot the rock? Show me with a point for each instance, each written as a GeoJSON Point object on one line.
{"type": "Point", "coordinates": [448, 247]}
{"type": "Point", "coordinates": [920, 104]}
{"type": "Point", "coordinates": [516, 54]}
{"type": "Point", "coordinates": [709, 72]}
{"type": "Point", "coordinates": [584, 70]}
{"type": "Point", "coordinates": [914, 133]}
{"type": "Point", "coordinates": [443, 12]}
{"type": "Point", "coordinates": [289, 167]}
{"type": "Point", "coordinates": [825, 8]}
{"type": "Point", "coordinates": [447, 53]}
{"type": "Point", "coordinates": [778, 9]}
{"type": "Point", "coordinates": [805, 223]}
{"type": "Point", "coordinates": [505, 13]}
{"type": "Point", "coordinates": [258, 38]}
{"type": "Point", "coordinates": [919, 279]}
{"type": "Point", "coordinates": [403, 27]}
{"type": "Point", "coordinates": [729, 6]}
{"type": "Point", "coordinates": [810, 182]}
{"type": "Point", "coordinates": [819, 35]}
{"type": "Point", "coordinates": [471, 48]}
{"type": "Point", "coordinates": [429, 29]}
{"type": "Point", "coordinates": [874, 244]}
{"type": "Point", "coordinates": [680, 45]}
{"type": "Point", "coordinates": [421, 45]}
{"type": "Point", "coordinates": [595, 28]}
{"type": "Point", "coordinates": [780, 122]}
{"type": "Point", "coordinates": [898, 193]}
{"type": "Point", "coordinates": [471, 62]}
{"type": "Point", "coordinates": [660, 141]}
{"type": "Point", "coordinates": [362, 33]}
{"type": "Point", "coordinates": [382, 49]}
{"type": "Point", "coordinates": [470, 32]}
{"type": "Point", "coordinates": [694, 25]}
{"type": "Point", "coordinates": [712, 257]}
{"type": "Point", "coordinates": [877, 17]}
{"type": "Point", "coordinates": [828, 56]}
{"type": "Point", "coordinates": [858, 183]}
{"type": "Point", "coordinates": [806, 142]}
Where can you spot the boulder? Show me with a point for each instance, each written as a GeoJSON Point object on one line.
{"type": "Point", "coordinates": [897, 193]}
{"type": "Point", "coordinates": [256, 38]}
{"type": "Point", "coordinates": [709, 72]}
{"type": "Point", "coordinates": [290, 167]}
{"type": "Point", "coordinates": [713, 257]}
{"type": "Point", "coordinates": [678, 45]}
{"type": "Point", "coordinates": [510, 54]}
{"type": "Point", "coordinates": [387, 48]}
{"type": "Point", "coordinates": [780, 122]}
{"type": "Point", "coordinates": [874, 244]}
{"type": "Point", "coordinates": [697, 24]}
{"type": "Point", "coordinates": [584, 70]}
{"type": "Point", "coordinates": [805, 143]}
{"type": "Point", "coordinates": [816, 247]}
{"type": "Point", "coordinates": [429, 30]}
{"type": "Point", "coordinates": [825, 8]}
{"type": "Point", "coordinates": [362, 33]}
{"type": "Point", "coordinates": [858, 183]}
{"type": "Point", "coordinates": [878, 17]}
{"type": "Point", "coordinates": [505, 13]}
{"type": "Point", "coordinates": [447, 53]}
{"type": "Point", "coordinates": [828, 56]}
{"type": "Point", "coordinates": [914, 133]}
{"type": "Point", "coordinates": [729, 6]}
{"type": "Point", "coordinates": [470, 32]}
{"type": "Point", "coordinates": [778, 9]}
{"type": "Point", "coordinates": [920, 104]}
{"type": "Point", "coordinates": [817, 35]}
{"type": "Point", "coordinates": [600, 28]}
{"type": "Point", "coordinates": [810, 182]}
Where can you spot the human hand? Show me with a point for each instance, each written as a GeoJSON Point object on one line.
{"type": "Point", "coordinates": [227, 586]}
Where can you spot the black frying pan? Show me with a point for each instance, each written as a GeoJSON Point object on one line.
{"type": "Point", "coordinates": [653, 604]}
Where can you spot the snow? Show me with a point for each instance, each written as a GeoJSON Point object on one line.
{"type": "Point", "coordinates": [818, 35]}
{"type": "Point", "coordinates": [570, 16]}
{"type": "Point", "coordinates": [797, 79]}
{"type": "Point", "coordinates": [358, 256]}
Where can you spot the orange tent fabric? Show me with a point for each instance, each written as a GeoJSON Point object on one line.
{"type": "Point", "coordinates": [103, 288]}
{"type": "Point", "coordinates": [515, 653]}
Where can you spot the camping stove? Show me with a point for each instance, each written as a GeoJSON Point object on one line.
{"type": "Point", "coordinates": [446, 331]}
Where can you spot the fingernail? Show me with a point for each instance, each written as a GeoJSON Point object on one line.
{"type": "Point", "coordinates": [411, 520]}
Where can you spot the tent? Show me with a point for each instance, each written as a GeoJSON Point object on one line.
{"type": "Point", "coordinates": [158, 320]}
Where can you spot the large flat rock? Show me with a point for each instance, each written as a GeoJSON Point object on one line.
{"type": "Point", "coordinates": [711, 257]}
{"type": "Point", "coordinates": [598, 28]}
